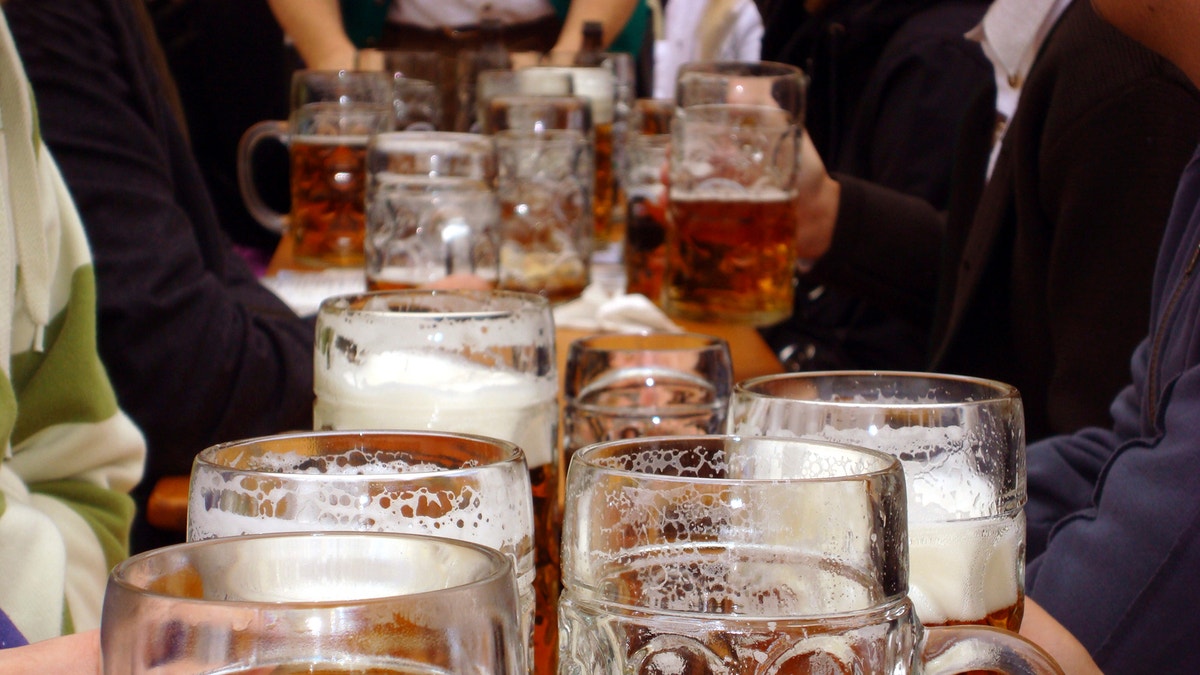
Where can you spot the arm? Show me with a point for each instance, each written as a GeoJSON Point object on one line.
{"type": "Point", "coordinates": [315, 27]}
{"type": "Point", "coordinates": [1119, 570]}
{"type": "Point", "coordinates": [77, 654]}
{"type": "Point", "coordinates": [613, 14]}
{"type": "Point", "coordinates": [197, 350]}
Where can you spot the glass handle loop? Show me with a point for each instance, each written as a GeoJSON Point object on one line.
{"type": "Point", "coordinates": [270, 219]}
{"type": "Point", "coordinates": [957, 649]}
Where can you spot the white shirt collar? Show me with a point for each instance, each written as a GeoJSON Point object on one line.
{"type": "Point", "coordinates": [1011, 35]}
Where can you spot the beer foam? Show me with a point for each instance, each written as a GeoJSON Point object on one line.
{"type": "Point", "coordinates": [965, 570]}
{"type": "Point", "coordinates": [425, 391]}
{"type": "Point", "coordinates": [362, 498]}
{"type": "Point", "coordinates": [597, 85]}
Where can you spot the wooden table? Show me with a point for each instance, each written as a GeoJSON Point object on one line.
{"type": "Point", "coordinates": [167, 506]}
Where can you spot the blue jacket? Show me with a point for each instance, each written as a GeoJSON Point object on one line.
{"type": "Point", "coordinates": [1114, 514]}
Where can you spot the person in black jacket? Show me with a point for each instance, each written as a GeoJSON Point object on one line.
{"type": "Point", "coordinates": [198, 351]}
{"type": "Point", "coordinates": [1039, 274]}
{"type": "Point", "coordinates": [885, 100]}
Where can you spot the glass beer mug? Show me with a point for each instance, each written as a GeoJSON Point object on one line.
{"type": "Point", "coordinates": [337, 603]}
{"type": "Point", "coordinates": [962, 443]}
{"type": "Point", "coordinates": [750, 555]}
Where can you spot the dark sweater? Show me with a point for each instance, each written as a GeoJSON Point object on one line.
{"type": "Point", "coordinates": [198, 351]}
{"type": "Point", "coordinates": [1041, 279]}
{"type": "Point", "coordinates": [1114, 512]}
{"type": "Point", "coordinates": [885, 101]}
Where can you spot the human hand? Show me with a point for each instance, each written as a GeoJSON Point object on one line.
{"type": "Point", "coordinates": [816, 203]}
{"type": "Point", "coordinates": [77, 654]}
{"type": "Point", "coordinates": [1045, 631]}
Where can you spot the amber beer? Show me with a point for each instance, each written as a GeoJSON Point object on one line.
{"type": "Point", "coordinates": [328, 199]}
{"type": "Point", "coordinates": [730, 258]}
{"type": "Point", "coordinates": [605, 189]}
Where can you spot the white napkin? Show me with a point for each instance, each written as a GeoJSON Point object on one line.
{"type": "Point", "coordinates": [605, 309]}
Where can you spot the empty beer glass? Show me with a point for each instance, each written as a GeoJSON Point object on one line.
{"type": "Point", "coordinates": [432, 214]}
{"type": "Point", "coordinates": [471, 362]}
{"type": "Point", "coordinates": [731, 205]}
{"type": "Point", "coordinates": [313, 603]}
{"type": "Point", "coordinates": [657, 384]}
{"type": "Point", "coordinates": [544, 187]}
{"type": "Point", "coordinates": [750, 556]}
{"type": "Point", "coordinates": [470, 488]}
{"type": "Point", "coordinates": [961, 441]}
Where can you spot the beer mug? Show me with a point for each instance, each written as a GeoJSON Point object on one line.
{"type": "Point", "coordinates": [338, 86]}
{"type": "Point", "coordinates": [313, 603]}
{"type": "Point", "coordinates": [470, 488]}
{"type": "Point", "coordinates": [961, 442]}
{"type": "Point", "coordinates": [535, 114]}
{"type": "Point", "coordinates": [599, 86]}
{"type": "Point", "coordinates": [493, 83]}
{"type": "Point", "coordinates": [767, 83]}
{"type": "Point", "coordinates": [750, 555]}
{"type": "Point", "coordinates": [431, 211]}
{"type": "Point", "coordinates": [327, 143]}
{"type": "Point", "coordinates": [471, 362]}
{"type": "Point", "coordinates": [657, 384]}
{"type": "Point", "coordinates": [645, 255]}
{"type": "Point", "coordinates": [731, 205]}
{"type": "Point", "coordinates": [422, 93]}
{"type": "Point", "coordinates": [544, 185]}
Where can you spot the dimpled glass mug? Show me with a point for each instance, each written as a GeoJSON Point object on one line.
{"type": "Point", "coordinates": [337, 603]}
{"type": "Point", "coordinates": [962, 443]}
{"type": "Point", "coordinates": [724, 554]}
{"type": "Point", "coordinates": [471, 488]}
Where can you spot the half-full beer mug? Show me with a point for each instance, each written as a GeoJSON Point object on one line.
{"type": "Point", "coordinates": [755, 556]}
{"type": "Point", "coordinates": [731, 208]}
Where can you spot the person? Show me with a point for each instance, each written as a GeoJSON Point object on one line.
{"type": "Point", "coordinates": [70, 454]}
{"type": "Point", "coordinates": [885, 100]}
{"type": "Point", "coordinates": [199, 352]}
{"type": "Point", "coordinates": [704, 30]}
{"type": "Point", "coordinates": [232, 69]}
{"type": "Point", "coordinates": [317, 30]}
{"type": "Point", "coordinates": [1033, 276]}
{"type": "Point", "coordinates": [1114, 510]}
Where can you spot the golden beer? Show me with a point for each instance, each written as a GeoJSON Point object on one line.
{"type": "Point", "coordinates": [328, 199]}
{"type": "Point", "coordinates": [731, 258]}
{"type": "Point", "coordinates": [604, 195]}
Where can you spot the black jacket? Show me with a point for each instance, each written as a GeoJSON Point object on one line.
{"type": "Point", "coordinates": [197, 350]}
{"type": "Point", "coordinates": [1042, 278]}
{"type": "Point", "coordinates": [887, 94]}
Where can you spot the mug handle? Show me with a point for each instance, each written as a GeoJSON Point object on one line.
{"type": "Point", "coordinates": [270, 218]}
{"type": "Point", "coordinates": [957, 649]}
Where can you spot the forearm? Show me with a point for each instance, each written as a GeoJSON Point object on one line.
{"type": "Point", "coordinates": [612, 14]}
{"type": "Point", "coordinates": [315, 27]}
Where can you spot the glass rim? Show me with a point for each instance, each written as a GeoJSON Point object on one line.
{"type": "Point", "coordinates": [499, 566]}
{"type": "Point", "coordinates": [764, 69]}
{"type": "Point", "coordinates": [451, 140]}
{"type": "Point", "coordinates": [513, 302]}
{"type": "Point", "coordinates": [511, 455]}
{"type": "Point", "coordinates": [1002, 391]}
{"type": "Point", "coordinates": [885, 464]}
{"type": "Point", "coordinates": [647, 342]}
